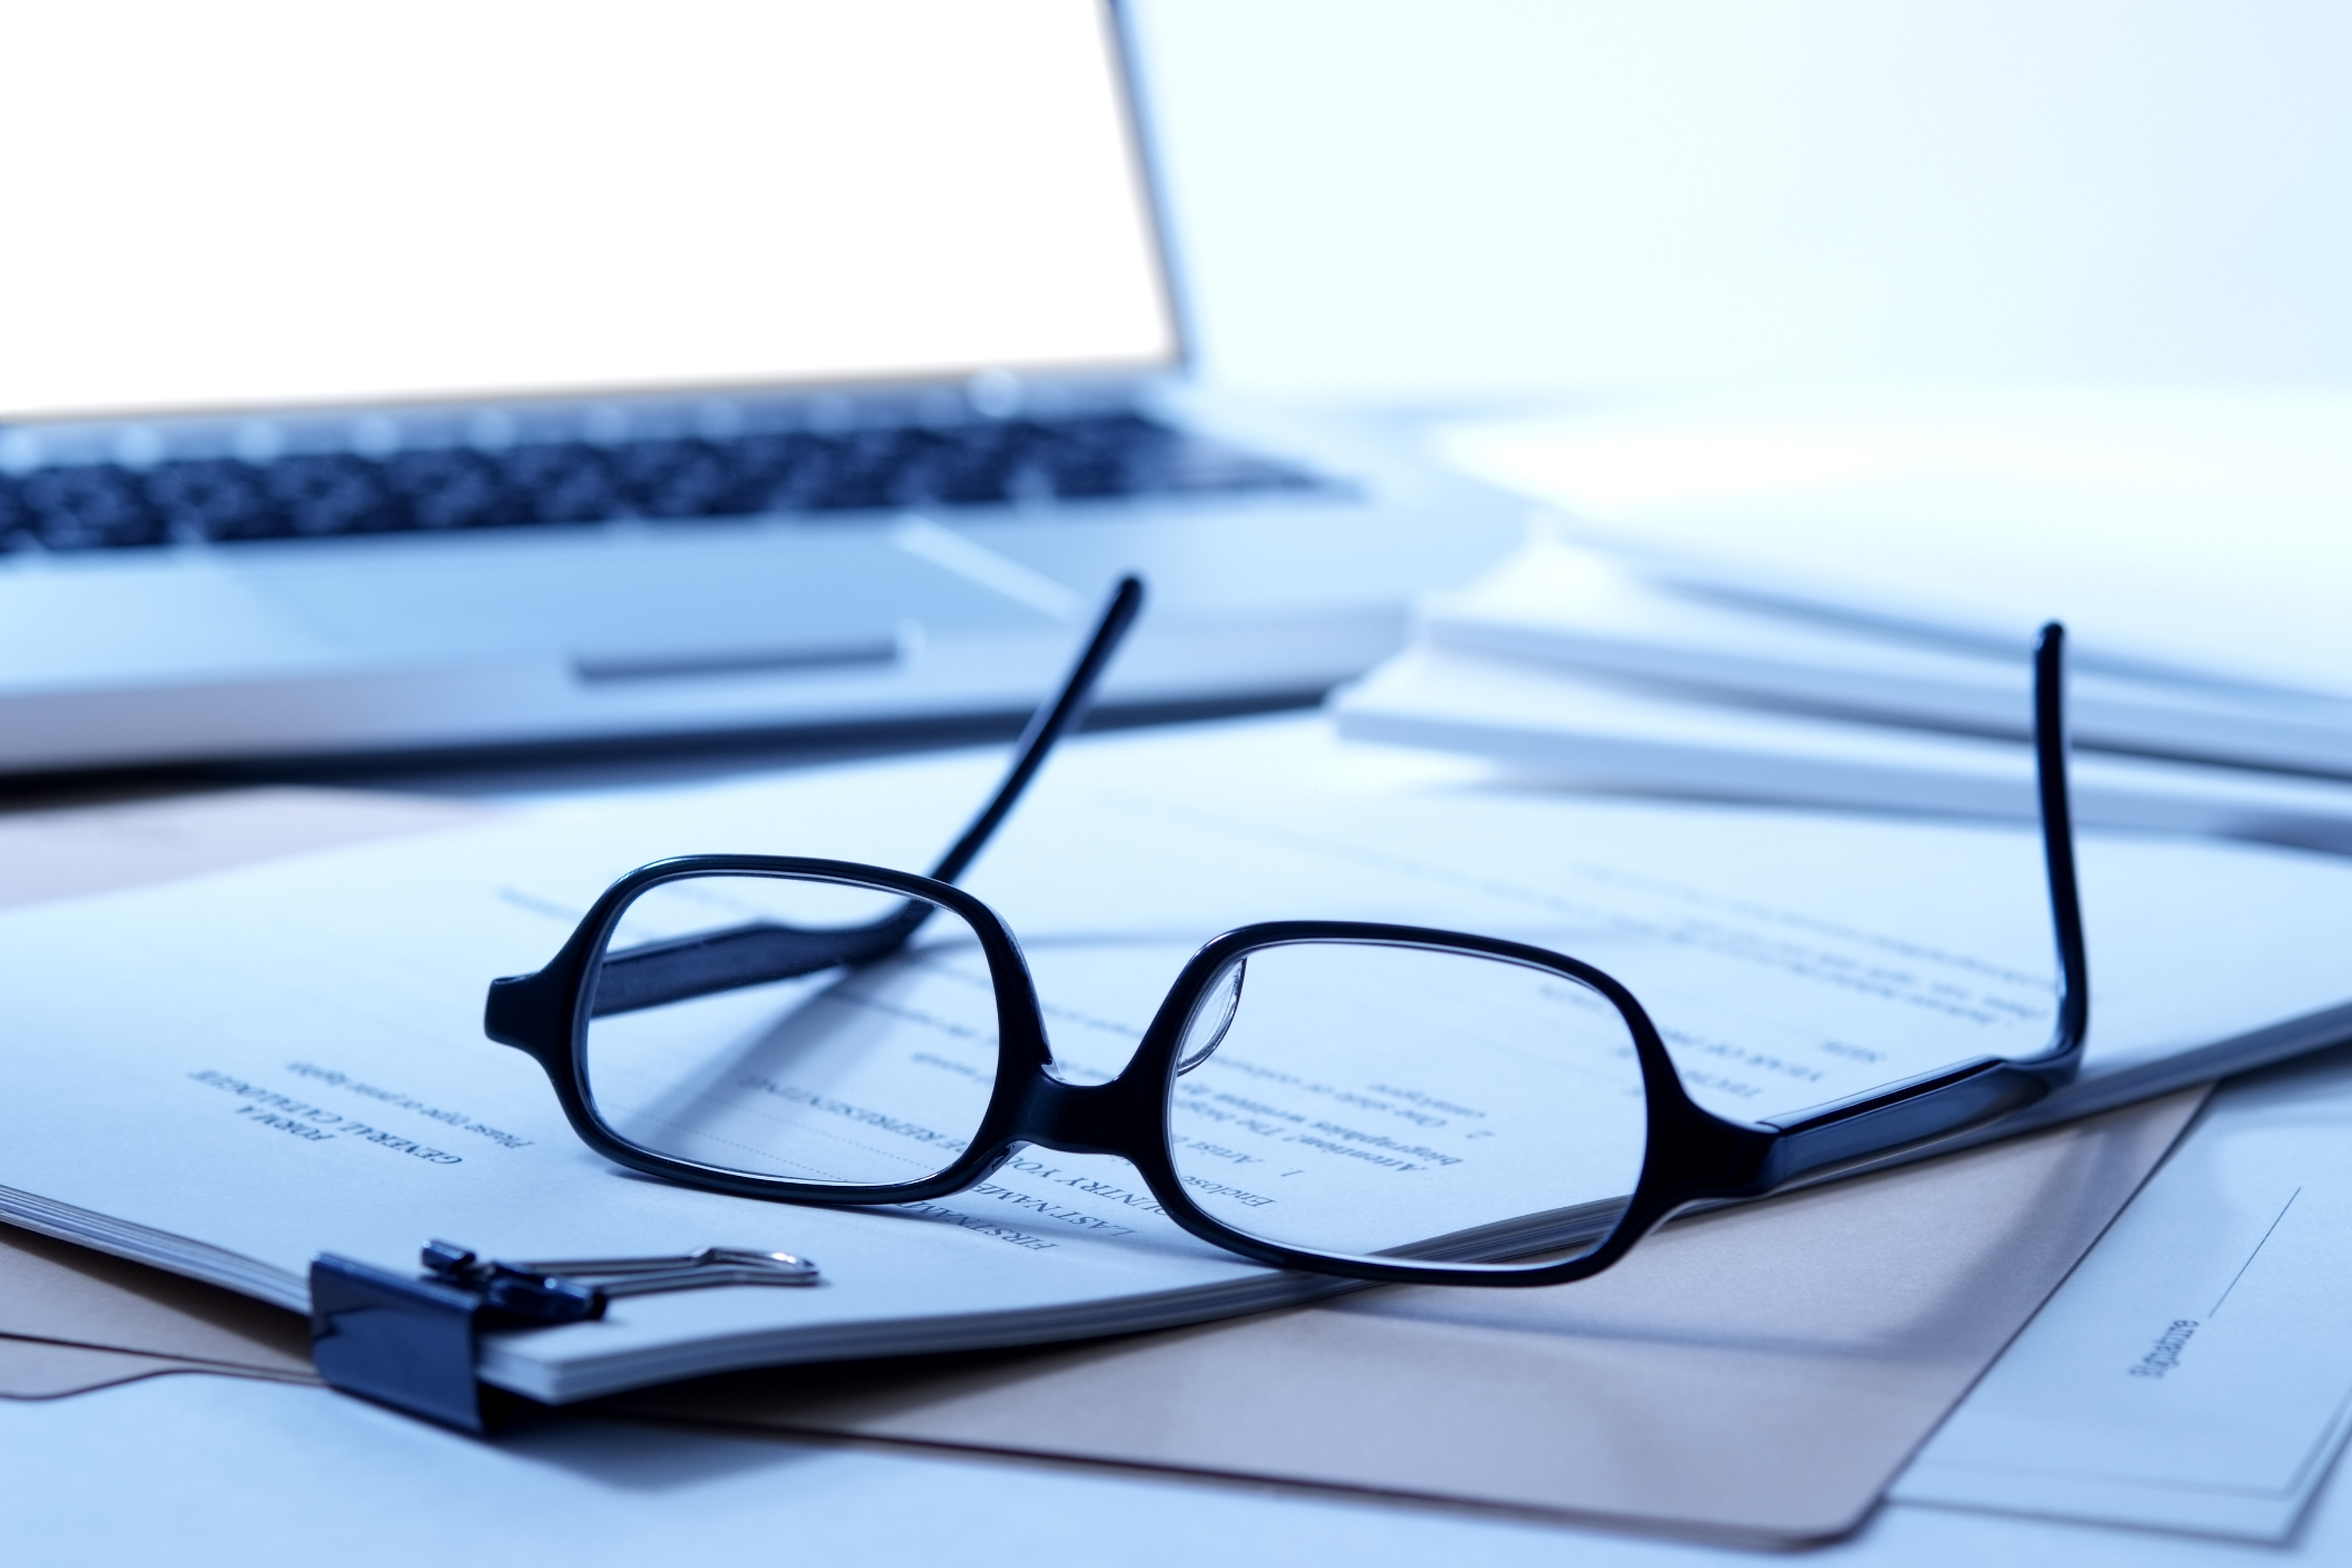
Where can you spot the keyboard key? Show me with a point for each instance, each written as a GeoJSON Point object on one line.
{"type": "Point", "coordinates": [860, 470]}
{"type": "Point", "coordinates": [15, 518]}
{"type": "Point", "coordinates": [681, 479]}
{"type": "Point", "coordinates": [982, 464]}
{"type": "Point", "coordinates": [565, 481]}
{"type": "Point", "coordinates": [334, 494]}
{"type": "Point", "coordinates": [452, 489]}
{"type": "Point", "coordinates": [769, 465]}
{"type": "Point", "coordinates": [213, 499]}
{"type": "Point", "coordinates": [90, 506]}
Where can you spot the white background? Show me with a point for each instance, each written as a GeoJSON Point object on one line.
{"type": "Point", "coordinates": [1423, 198]}
{"type": "Point", "coordinates": [1391, 197]}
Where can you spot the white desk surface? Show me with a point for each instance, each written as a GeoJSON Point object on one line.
{"type": "Point", "coordinates": [193, 1469]}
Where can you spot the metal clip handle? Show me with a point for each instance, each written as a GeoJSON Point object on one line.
{"type": "Point", "coordinates": [574, 1289]}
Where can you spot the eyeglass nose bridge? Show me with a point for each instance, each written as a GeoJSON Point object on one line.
{"type": "Point", "coordinates": [1113, 1118]}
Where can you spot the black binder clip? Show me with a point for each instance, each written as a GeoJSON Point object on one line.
{"type": "Point", "coordinates": [411, 1343]}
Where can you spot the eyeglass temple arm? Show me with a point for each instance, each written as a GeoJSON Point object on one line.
{"type": "Point", "coordinates": [661, 971]}
{"type": "Point", "coordinates": [657, 972]}
{"type": "Point", "coordinates": [1047, 726]}
{"type": "Point", "coordinates": [1974, 1093]}
{"type": "Point", "coordinates": [2050, 749]}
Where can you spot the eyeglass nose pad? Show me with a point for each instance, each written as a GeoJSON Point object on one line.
{"type": "Point", "coordinates": [1231, 983]}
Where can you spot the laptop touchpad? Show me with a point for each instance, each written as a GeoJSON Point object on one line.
{"type": "Point", "coordinates": [630, 610]}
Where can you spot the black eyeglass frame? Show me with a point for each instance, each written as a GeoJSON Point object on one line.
{"type": "Point", "coordinates": [1692, 1156]}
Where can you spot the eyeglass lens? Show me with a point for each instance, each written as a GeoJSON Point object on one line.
{"type": "Point", "coordinates": [766, 1025]}
{"type": "Point", "coordinates": [1357, 1098]}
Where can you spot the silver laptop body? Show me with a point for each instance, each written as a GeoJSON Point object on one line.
{"type": "Point", "coordinates": [472, 376]}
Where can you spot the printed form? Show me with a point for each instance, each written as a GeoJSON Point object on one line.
{"type": "Point", "coordinates": [2194, 1371]}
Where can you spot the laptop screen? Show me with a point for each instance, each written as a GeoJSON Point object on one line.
{"type": "Point", "coordinates": [265, 203]}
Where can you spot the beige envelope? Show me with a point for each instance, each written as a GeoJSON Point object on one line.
{"type": "Point", "coordinates": [1757, 1374]}
{"type": "Point", "coordinates": [55, 1294]}
{"type": "Point", "coordinates": [40, 1368]}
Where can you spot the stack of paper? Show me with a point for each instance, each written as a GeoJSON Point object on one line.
{"type": "Point", "coordinates": [1575, 664]}
{"type": "Point", "coordinates": [2174, 530]}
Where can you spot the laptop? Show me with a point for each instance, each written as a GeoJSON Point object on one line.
{"type": "Point", "coordinates": [462, 374]}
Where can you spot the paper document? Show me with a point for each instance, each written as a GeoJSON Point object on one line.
{"type": "Point", "coordinates": [1570, 609]}
{"type": "Point", "coordinates": [2193, 1372]}
{"type": "Point", "coordinates": [1648, 738]}
{"type": "Point", "coordinates": [228, 1074]}
{"type": "Point", "coordinates": [1607, 672]}
{"type": "Point", "coordinates": [2190, 531]}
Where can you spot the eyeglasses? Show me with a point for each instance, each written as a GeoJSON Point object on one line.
{"type": "Point", "coordinates": [824, 1032]}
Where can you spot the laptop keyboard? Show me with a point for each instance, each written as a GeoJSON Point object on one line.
{"type": "Point", "coordinates": [112, 506]}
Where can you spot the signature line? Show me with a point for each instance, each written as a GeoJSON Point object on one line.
{"type": "Point", "coordinates": [2257, 1252]}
